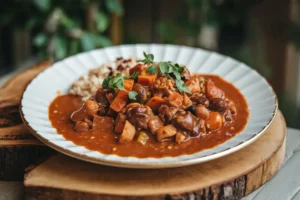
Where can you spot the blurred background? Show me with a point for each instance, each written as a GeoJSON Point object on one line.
{"type": "Point", "coordinates": [265, 34]}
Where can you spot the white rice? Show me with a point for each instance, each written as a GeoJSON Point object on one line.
{"type": "Point", "coordinates": [88, 84]}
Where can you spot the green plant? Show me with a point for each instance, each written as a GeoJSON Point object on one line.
{"type": "Point", "coordinates": [198, 12]}
{"type": "Point", "coordinates": [63, 27]}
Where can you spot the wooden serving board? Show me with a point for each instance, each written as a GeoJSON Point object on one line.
{"type": "Point", "coordinates": [18, 147]}
{"type": "Point", "coordinates": [230, 177]}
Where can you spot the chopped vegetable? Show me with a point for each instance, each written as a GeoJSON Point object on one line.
{"type": "Point", "coordinates": [155, 102]}
{"type": "Point", "coordinates": [175, 99]}
{"type": "Point", "coordinates": [166, 132]}
{"type": "Point", "coordinates": [180, 137]}
{"type": "Point", "coordinates": [128, 133]}
{"type": "Point", "coordinates": [128, 84]}
{"type": "Point", "coordinates": [120, 101]}
{"type": "Point", "coordinates": [143, 138]}
{"type": "Point", "coordinates": [147, 79]}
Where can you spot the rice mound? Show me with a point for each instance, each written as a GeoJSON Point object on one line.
{"type": "Point", "coordinates": [88, 84]}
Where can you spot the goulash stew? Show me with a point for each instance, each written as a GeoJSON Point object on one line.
{"type": "Point", "coordinates": [159, 110]}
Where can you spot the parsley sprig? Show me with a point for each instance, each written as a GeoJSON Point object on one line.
{"type": "Point", "coordinates": [149, 58]}
{"type": "Point", "coordinates": [132, 95]}
{"type": "Point", "coordinates": [167, 68]}
{"type": "Point", "coordinates": [117, 82]}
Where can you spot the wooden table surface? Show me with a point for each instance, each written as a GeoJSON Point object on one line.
{"type": "Point", "coordinates": [285, 185]}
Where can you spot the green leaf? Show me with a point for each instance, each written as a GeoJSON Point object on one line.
{"type": "Point", "coordinates": [152, 69]}
{"type": "Point", "coordinates": [116, 82]}
{"type": "Point", "coordinates": [179, 68]}
{"type": "Point", "coordinates": [102, 41]}
{"type": "Point", "coordinates": [40, 40]}
{"type": "Point", "coordinates": [132, 95]}
{"type": "Point", "coordinates": [88, 41]}
{"type": "Point", "coordinates": [115, 6]}
{"type": "Point", "coordinates": [102, 22]}
{"type": "Point", "coordinates": [149, 57]}
{"type": "Point", "coordinates": [60, 47]}
{"type": "Point", "coordinates": [106, 81]}
{"type": "Point", "coordinates": [177, 75]}
{"type": "Point", "coordinates": [164, 67]}
{"type": "Point", "coordinates": [43, 5]}
{"type": "Point", "coordinates": [66, 21]}
{"type": "Point", "coordinates": [74, 47]}
{"type": "Point", "coordinates": [181, 86]}
{"type": "Point", "coordinates": [134, 75]}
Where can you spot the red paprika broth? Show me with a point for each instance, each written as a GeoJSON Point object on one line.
{"type": "Point", "coordinates": [106, 141]}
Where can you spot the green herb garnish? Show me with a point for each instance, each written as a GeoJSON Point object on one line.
{"type": "Point", "coordinates": [133, 76]}
{"type": "Point", "coordinates": [167, 68]}
{"type": "Point", "coordinates": [152, 69]}
{"type": "Point", "coordinates": [149, 58]}
{"type": "Point", "coordinates": [132, 95]}
{"type": "Point", "coordinates": [181, 86]}
{"type": "Point", "coordinates": [116, 82]}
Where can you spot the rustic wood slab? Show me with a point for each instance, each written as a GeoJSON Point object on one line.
{"type": "Point", "coordinates": [230, 177]}
{"type": "Point", "coordinates": [18, 147]}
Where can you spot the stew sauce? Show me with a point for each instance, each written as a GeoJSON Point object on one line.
{"type": "Point", "coordinates": [105, 141]}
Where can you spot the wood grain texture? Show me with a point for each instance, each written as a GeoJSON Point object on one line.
{"type": "Point", "coordinates": [18, 147]}
{"type": "Point", "coordinates": [230, 177]}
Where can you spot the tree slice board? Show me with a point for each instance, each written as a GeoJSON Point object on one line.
{"type": "Point", "coordinates": [230, 177]}
{"type": "Point", "coordinates": [18, 147]}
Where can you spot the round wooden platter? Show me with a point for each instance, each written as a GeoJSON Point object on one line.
{"type": "Point", "coordinates": [18, 147]}
{"type": "Point", "coordinates": [230, 177]}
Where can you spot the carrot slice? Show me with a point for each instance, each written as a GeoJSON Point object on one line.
{"type": "Point", "coordinates": [175, 99]}
{"type": "Point", "coordinates": [155, 102]}
{"type": "Point", "coordinates": [147, 79]}
{"type": "Point", "coordinates": [128, 84]}
{"type": "Point", "coordinates": [120, 101]}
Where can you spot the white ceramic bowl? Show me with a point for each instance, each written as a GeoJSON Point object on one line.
{"type": "Point", "coordinates": [261, 99]}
